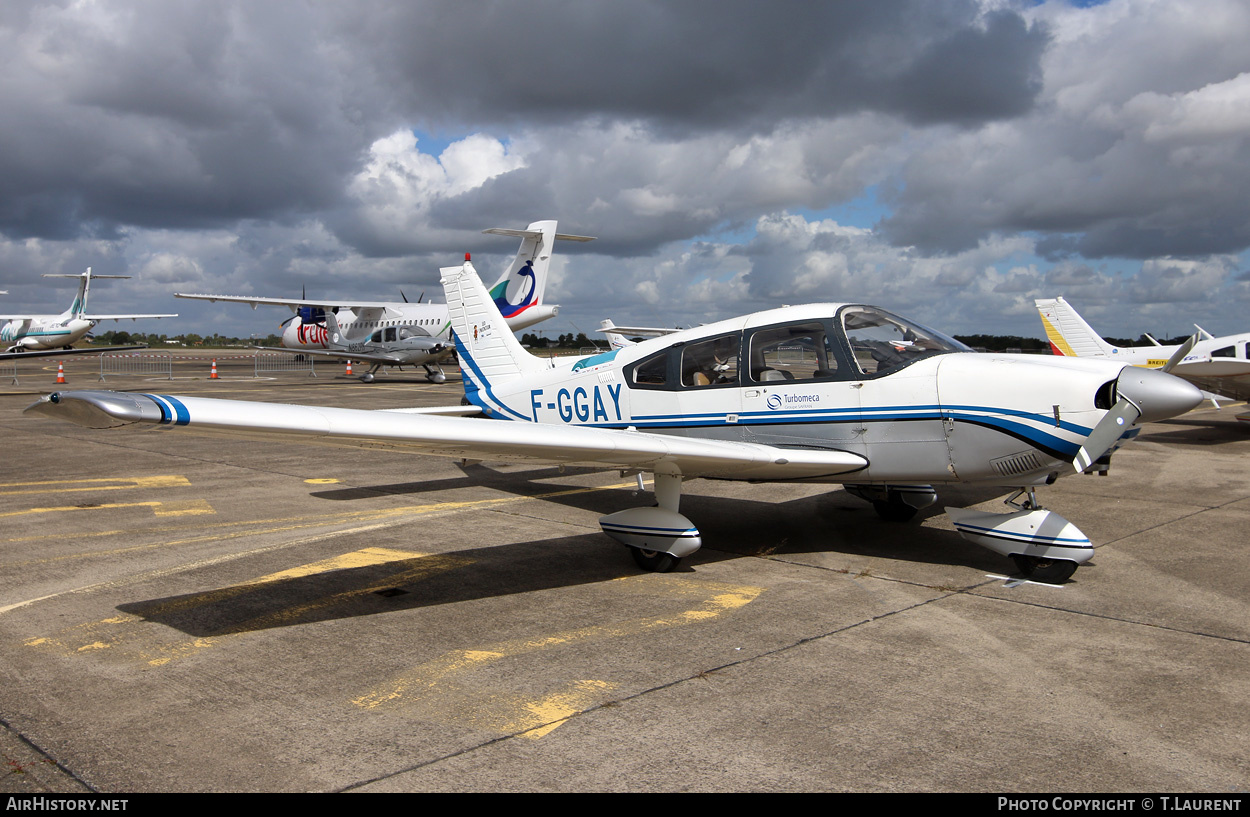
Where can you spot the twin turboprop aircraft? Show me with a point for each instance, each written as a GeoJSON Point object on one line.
{"type": "Point", "coordinates": [57, 333]}
{"type": "Point", "coordinates": [408, 334]}
{"type": "Point", "coordinates": [830, 393]}
{"type": "Point", "coordinates": [1220, 366]}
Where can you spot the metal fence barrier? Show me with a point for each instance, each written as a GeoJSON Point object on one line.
{"type": "Point", "coordinates": [277, 362]}
{"type": "Point", "coordinates": [791, 355]}
{"type": "Point", "coordinates": [9, 370]}
{"type": "Point", "coordinates": [148, 365]}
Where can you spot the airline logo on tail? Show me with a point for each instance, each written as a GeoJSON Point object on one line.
{"type": "Point", "coordinates": [499, 294]}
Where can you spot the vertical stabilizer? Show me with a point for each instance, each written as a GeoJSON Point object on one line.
{"type": "Point", "coordinates": [489, 353]}
{"type": "Point", "coordinates": [1068, 333]}
{"type": "Point", "coordinates": [79, 307]}
{"type": "Point", "coordinates": [518, 294]}
{"type": "Point", "coordinates": [615, 339]}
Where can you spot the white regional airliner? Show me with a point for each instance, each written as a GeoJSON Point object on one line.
{"type": "Point", "coordinates": [387, 333]}
{"type": "Point", "coordinates": [37, 333]}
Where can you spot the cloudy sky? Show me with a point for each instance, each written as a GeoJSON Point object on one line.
{"type": "Point", "coordinates": [950, 161]}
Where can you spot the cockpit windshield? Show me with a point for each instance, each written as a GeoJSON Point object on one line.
{"type": "Point", "coordinates": [883, 342]}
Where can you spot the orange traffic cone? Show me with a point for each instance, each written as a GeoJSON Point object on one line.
{"type": "Point", "coordinates": [213, 375]}
{"type": "Point", "coordinates": [60, 372]}
{"type": "Point", "coordinates": [349, 367]}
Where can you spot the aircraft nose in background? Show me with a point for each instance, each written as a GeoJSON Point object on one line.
{"type": "Point", "coordinates": [1158, 395]}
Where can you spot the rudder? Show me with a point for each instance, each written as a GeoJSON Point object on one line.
{"type": "Point", "coordinates": [1067, 331]}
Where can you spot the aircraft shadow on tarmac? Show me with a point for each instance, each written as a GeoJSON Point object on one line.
{"type": "Point", "coordinates": [833, 521]}
{"type": "Point", "coordinates": [526, 567]}
{"type": "Point", "coordinates": [1198, 431]}
{"type": "Point", "coordinates": [405, 584]}
{"type": "Point", "coordinates": [829, 523]}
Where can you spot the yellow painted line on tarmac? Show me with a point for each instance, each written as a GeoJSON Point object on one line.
{"type": "Point", "coordinates": [96, 484]}
{"type": "Point", "coordinates": [389, 518]}
{"type": "Point", "coordinates": [554, 710]}
{"type": "Point", "coordinates": [192, 507]}
{"type": "Point", "coordinates": [287, 524]}
{"type": "Point", "coordinates": [119, 631]}
{"type": "Point", "coordinates": [434, 687]}
{"type": "Point", "coordinates": [326, 481]}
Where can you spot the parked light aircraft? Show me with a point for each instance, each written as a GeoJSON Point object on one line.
{"type": "Point", "coordinates": [1220, 365]}
{"type": "Point", "coordinates": [874, 401]}
{"type": "Point", "coordinates": [33, 333]}
{"type": "Point", "coordinates": [408, 334]}
{"type": "Point", "coordinates": [616, 335]}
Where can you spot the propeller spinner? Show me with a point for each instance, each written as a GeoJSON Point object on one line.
{"type": "Point", "coordinates": [1145, 395]}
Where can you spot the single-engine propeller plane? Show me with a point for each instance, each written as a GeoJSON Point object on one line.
{"type": "Point", "coordinates": [830, 393]}
{"type": "Point", "coordinates": [386, 333]}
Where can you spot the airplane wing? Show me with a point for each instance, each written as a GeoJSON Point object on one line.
{"type": "Point", "coordinates": [62, 352]}
{"type": "Point", "coordinates": [454, 437]}
{"type": "Point", "coordinates": [293, 303]}
{"type": "Point", "coordinates": [638, 331]}
{"type": "Point", "coordinates": [123, 317]}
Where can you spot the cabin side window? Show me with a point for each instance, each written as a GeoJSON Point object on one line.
{"type": "Point", "coordinates": [710, 362]}
{"type": "Point", "coordinates": [800, 351]}
{"type": "Point", "coordinates": [651, 372]}
{"type": "Point", "coordinates": [882, 342]}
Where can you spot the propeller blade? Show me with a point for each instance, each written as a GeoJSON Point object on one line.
{"type": "Point", "coordinates": [402, 295]}
{"type": "Point", "coordinates": [1109, 429]}
{"type": "Point", "coordinates": [1179, 354]}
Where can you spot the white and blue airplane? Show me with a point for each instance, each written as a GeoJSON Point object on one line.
{"type": "Point", "coordinates": [49, 333]}
{"type": "Point", "coordinates": [387, 333]}
{"type": "Point", "coordinates": [1220, 366]}
{"type": "Point", "coordinates": [827, 393]}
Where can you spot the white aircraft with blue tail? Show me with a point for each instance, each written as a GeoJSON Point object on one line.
{"type": "Point", "coordinates": [827, 393]}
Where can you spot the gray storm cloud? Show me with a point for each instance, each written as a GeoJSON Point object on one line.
{"type": "Point", "coordinates": [259, 145]}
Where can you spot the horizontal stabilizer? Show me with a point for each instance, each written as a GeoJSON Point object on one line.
{"type": "Point", "coordinates": [535, 234]}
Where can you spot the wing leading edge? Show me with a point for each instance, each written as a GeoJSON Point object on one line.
{"type": "Point", "coordinates": [455, 437]}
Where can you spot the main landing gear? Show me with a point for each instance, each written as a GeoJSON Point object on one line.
{"type": "Point", "coordinates": [658, 537]}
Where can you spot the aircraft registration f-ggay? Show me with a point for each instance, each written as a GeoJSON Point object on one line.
{"type": "Point", "coordinates": [408, 334]}
{"type": "Point", "coordinates": [830, 393]}
{"type": "Point", "coordinates": [1220, 365]}
{"type": "Point", "coordinates": [40, 333]}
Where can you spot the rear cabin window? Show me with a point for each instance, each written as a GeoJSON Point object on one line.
{"type": "Point", "coordinates": [710, 362]}
{"type": "Point", "coordinates": [653, 371]}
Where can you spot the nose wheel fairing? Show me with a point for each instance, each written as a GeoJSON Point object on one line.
{"type": "Point", "coordinates": [1035, 533]}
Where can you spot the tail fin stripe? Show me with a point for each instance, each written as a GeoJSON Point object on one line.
{"type": "Point", "coordinates": [477, 385]}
